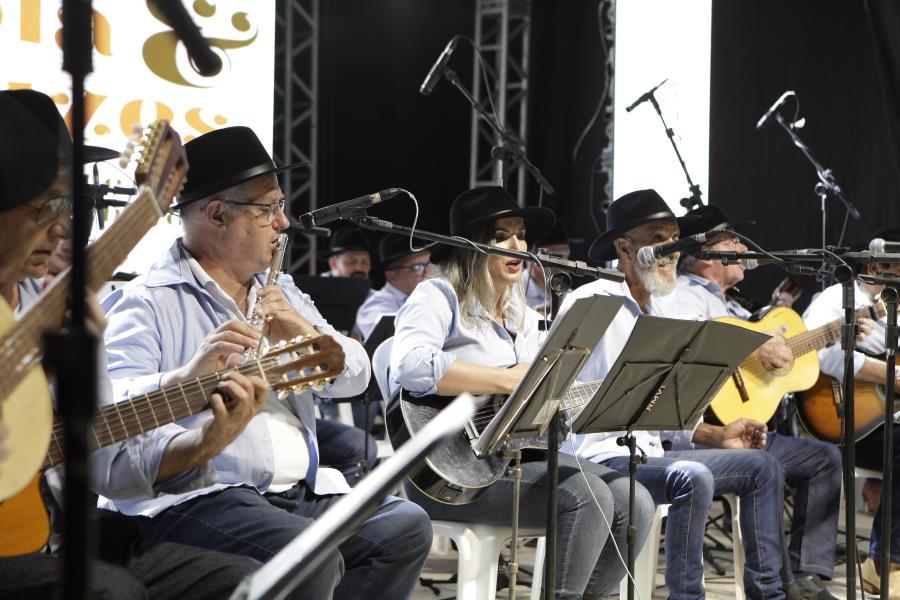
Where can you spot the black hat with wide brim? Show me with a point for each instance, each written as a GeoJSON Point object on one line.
{"type": "Point", "coordinates": [708, 217]}
{"type": "Point", "coordinates": [627, 212]}
{"type": "Point", "coordinates": [222, 159]}
{"type": "Point", "coordinates": [483, 205]}
{"type": "Point", "coordinates": [394, 247]}
{"type": "Point", "coordinates": [347, 239]}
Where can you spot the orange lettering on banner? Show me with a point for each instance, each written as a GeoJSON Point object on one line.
{"type": "Point", "coordinates": [131, 115]}
{"type": "Point", "coordinates": [30, 21]}
{"type": "Point", "coordinates": [102, 32]}
{"type": "Point", "coordinates": [91, 103]}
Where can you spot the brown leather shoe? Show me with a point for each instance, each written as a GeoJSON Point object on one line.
{"type": "Point", "coordinates": [872, 583]}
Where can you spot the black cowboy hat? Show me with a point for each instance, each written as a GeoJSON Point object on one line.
{"type": "Point", "coordinates": [482, 205]}
{"type": "Point", "coordinates": [707, 217]}
{"type": "Point", "coordinates": [392, 248]}
{"type": "Point", "coordinates": [346, 239]}
{"type": "Point", "coordinates": [30, 152]}
{"type": "Point", "coordinates": [627, 212]}
{"type": "Point", "coordinates": [225, 158]}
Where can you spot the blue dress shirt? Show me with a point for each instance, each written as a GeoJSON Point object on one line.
{"type": "Point", "coordinates": [386, 301]}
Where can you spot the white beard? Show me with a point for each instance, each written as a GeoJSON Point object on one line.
{"type": "Point", "coordinates": [659, 279]}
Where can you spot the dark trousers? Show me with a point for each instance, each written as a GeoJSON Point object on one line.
{"type": "Point", "coordinates": [343, 447]}
{"type": "Point", "coordinates": [130, 569]}
{"type": "Point", "coordinates": [869, 455]}
{"type": "Point", "coordinates": [382, 559]}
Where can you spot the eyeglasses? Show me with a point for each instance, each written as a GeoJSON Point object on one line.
{"type": "Point", "coordinates": [731, 241]}
{"type": "Point", "coordinates": [417, 268]}
{"type": "Point", "coordinates": [268, 211]}
{"type": "Point", "coordinates": [53, 209]}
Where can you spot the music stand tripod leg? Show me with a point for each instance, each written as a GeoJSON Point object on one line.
{"type": "Point", "coordinates": [633, 461]}
{"type": "Point", "coordinates": [513, 566]}
{"type": "Point", "coordinates": [889, 295]}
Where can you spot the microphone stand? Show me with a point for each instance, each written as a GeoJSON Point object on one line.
{"type": "Point", "coordinates": [827, 185]}
{"type": "Point", "coordinates": [73, 354]}
{"type": "Point", "coordinates": [509, 149]}
{"type": "Point", "coordinates": [560, 283]}
{"type": "Point", "coordinates": [694, 200]}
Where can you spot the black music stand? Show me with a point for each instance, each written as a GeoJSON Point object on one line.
{"type": "Point", "coordinates": [665, 377]}
{"type": "Point", "coordinates": [537, 399]}
{"type": "Point", "coordinates": [287, 569]}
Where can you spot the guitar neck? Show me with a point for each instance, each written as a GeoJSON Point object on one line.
{"type": "Point", "coordinates": [120, 421]}
{"type": "Point", "coordinates": [825, 335]}
{"type": "Point", "coordinates": [22, 345]}
{"type": "Point", "coordinates": [579, 394]}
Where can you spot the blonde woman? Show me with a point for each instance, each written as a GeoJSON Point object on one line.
{"type": "Point", "coordinates": [468, 329]}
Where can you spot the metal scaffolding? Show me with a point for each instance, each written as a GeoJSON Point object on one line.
{"type": "Point", "coordinates": [296, 114]}
{"type": "Point", "coordinates": [603, 173]}
{"type": "Point", "coordinates": [502, 30]}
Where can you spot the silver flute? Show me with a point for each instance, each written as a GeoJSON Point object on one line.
{"type": "Point", "coordinates": [274, 271]}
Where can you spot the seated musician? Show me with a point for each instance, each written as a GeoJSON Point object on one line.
{"type": "Point", "coordinates": [827, 307]}
{"type": "Point", "coordinates": [404, 269]}
{"type": "Point", "coordinates": [468, 330]}
{"type": "Point", "coordinates": [349, 254]}
{"type": "Point", "coordinates": [245, 479]}
{"type": "Point", "coordinates": [688, 480]}
{"type": "Point", "coordinates": [534, 281]}
{"type": "Point", "coordinates": [811, 467]}
{"type": "Point", "coordinates": [35, 214]}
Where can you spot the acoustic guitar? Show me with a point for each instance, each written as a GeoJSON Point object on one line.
{"type": "Point", "coordinates": [25, 404]}
{"type": "Point", "coordinates": [817, 409]}
{"type": "Point", "coordinates": [453, 473]}
{"type": "Point", "coordinates": [288, 366]}
{"type": "Point", "coordinates": [754, 391]}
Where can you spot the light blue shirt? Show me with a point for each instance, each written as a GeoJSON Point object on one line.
{"type": "Point", "coordinates": [386, 301]}
{"type": "Point", "coordinates": [598, 447]}
{"type": "Point", "coordinates": [827, 307]}
{"type": "Point", "coordinates": [431, 335]}
{"type": "Point", "coordinates": [700, 298]}
{"type": "Point", "coordinates": [155, 325]}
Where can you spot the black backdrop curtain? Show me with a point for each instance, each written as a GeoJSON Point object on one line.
{"type": "Point", "coordinates": [825, 51]}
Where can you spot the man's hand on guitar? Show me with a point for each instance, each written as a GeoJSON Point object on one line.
{"type": "Point", "coordinates": [775, 354]}
{"type": "Point", "coordinates": [237, 400]}
{"type": "Point", "coordinates": [283, 320]}
{"type": "Point", "coordinates": [865, 325]}
{"type": "Point", "coordinates": [743, 434]}
{"type": "Point", "coordinates": [221, 349]}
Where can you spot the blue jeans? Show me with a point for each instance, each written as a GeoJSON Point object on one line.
{"type": "Point", "coordinates": [382, 560]}
{"type": "Point", "coordinates": [688, 480]}
{"type": "Point", "coordinates": [813, 469]}
{"type": "Point", "coordinates": [586, 559]}
{"type": "Point", "coordinates": [343, 447]}
{"type": "Point", "coordinates": [868, 455]}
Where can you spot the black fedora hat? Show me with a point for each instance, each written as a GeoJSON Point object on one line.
{"type": "Point", "coordinates": [346, 239]}
{"type": "Point", "coordinates": [482, 205]}
{"type": "Point", "coordinates": [225, 158]}
{"type": "Point", "coordinates": [627, 212]}
{"type": "Point", "coordinates": [394, 247]}
{"type": "Point", "coordinates": [707, 217]}
{"type": "Point", "coordinates": [30, 149]}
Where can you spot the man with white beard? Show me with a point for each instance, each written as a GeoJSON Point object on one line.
{"type": "Point", "coordinates": [687, 480]}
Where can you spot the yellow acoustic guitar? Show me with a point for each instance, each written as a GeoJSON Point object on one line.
{"type": "Point", "coordinates": [288, 366]}
{"type": "Point", "coordinates": [25, 406]}
{"type": "Point", "coordinates": [753, 391]}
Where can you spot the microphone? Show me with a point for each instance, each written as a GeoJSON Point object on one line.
{"type": "Point", "coordinates": [647, 256]}
{"type": "Point", "coordinates": [774, 108]}
{"type": "Point", "coordinates": [882, 246]}
{"type": "Point", "coordinates": [347, 208]}
{"type": "Point", "coordinates": [645, 96]}
{"type": "Point", "coordinates": [437, 69]}
{"type": "Point", "coordinates": [204, 59]}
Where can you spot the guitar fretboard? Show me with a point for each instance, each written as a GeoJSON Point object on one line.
{"type": "Point", "coordinates": [21, 346]}
{"type": "Point", "coordinates": [120, 421]}
{"type": "Point", "coordinates": [828, 334]}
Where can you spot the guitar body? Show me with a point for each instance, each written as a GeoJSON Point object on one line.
{"type": "Point", "coordinates": [24, 521]}
{"type": "Point", "coordinates": [817, 409]}
{"type": "Point", "coordinates": [452, 473]}
{"type": "Point", "coordinates": [764, 388]}
{"type": "Point", "coordinates": [28, 415]}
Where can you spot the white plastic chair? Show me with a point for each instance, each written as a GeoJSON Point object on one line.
{"type": "Point", "coordinates": [479, 549]}
{"type": "Point", "coordinates": [647, 561]}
